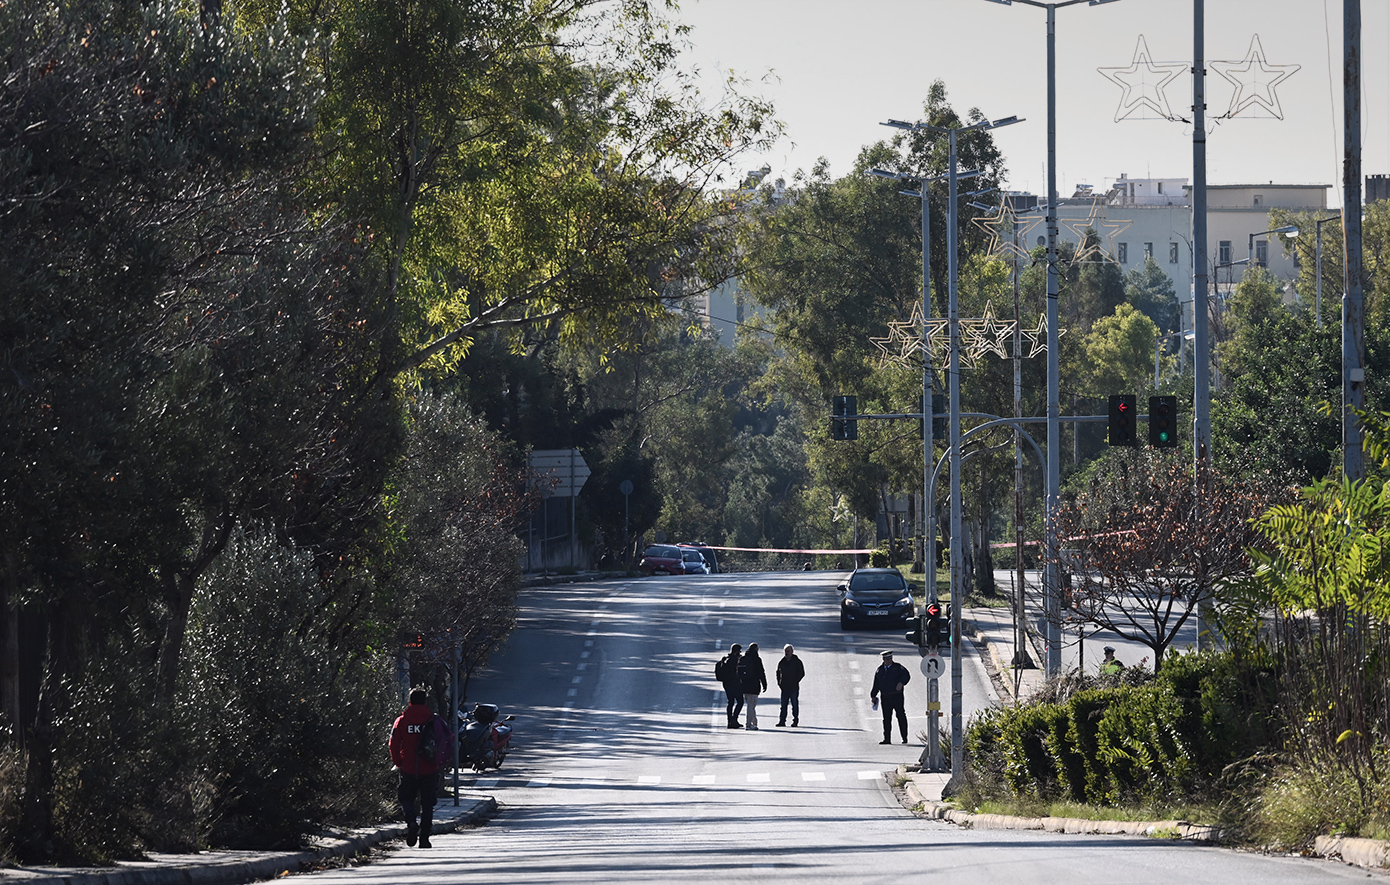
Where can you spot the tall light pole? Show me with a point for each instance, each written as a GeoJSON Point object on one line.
{"type": "Point", "coordinates": [953, 385]}
{"type": "Point", "coordinates": [1051, 596]}
{"type": "Point", "coordinates": [928, 380]}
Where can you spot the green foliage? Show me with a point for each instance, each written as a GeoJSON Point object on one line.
{"type": "Point", "coordinates": [1150, 290]}
{"type": "Point", "coordinates": [282, 728]}
{"type": "Point", "coordinates": [1102, 744]}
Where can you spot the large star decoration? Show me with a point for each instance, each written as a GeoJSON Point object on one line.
{"type": "Point", "coordinates": [986, 335]}
{"type": "Point", "coordinates": [980, 337]}
{"type": "Point", "coordinates": [1254, 80]}
{"type": "Point", "coordinates": [1101, 249]}
{"type": "Point", "coordinates": [1087, 250]}
{"type": "Point", "coordinates": [1143, 83]}
{"type": "Point", "coordinates": [1008, 233]}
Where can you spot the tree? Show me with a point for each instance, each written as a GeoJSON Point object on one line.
{"type": "Point", "coordinates": [520, 165]}
{"type": "Point", "coordinates": [173, 333]}
{"type": "Point", "coordinates": [456, 505]}
{"type": "Point", "coordinates": [1150, 290]}
{"type": "Point", "coordinates": [1154, 545]}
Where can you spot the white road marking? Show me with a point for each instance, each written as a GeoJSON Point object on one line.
{"type": "Point", "coordinates": [588, 643]}
{"type": "Point", "coordinates": [584, 654]}
{"type": "Point", "coordinates": [649, 780]}
{"type": "Point", "coordinates": [538, 782]}
{"type": "Point", "coordinates": [702, 779]}
{"type": "Point", "coordinates": [721, 623]}
{"type": "Point", "coordinates": [572, 693]}
{"type": "Point", "coordinates": [576, 680]}
{"type": "Point", "coordinates": [581, 666]}
{"type": "Point", "coordinates": [870, 775]}
{"type": "Point", "coordinates": [812, 776]}
{"type": "Point", "coordinates": [485, 783]}
{"type": "Point", "coordinates": [854, 665]}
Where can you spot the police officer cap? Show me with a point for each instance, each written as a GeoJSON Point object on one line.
{"type": "Point", "coordinates": [885, 654]}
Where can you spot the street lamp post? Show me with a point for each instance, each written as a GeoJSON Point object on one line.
{"type": "Point", "coordinates": [1051, 594]}
{"type": "Point", "coordinates": [953, 386]}
{"type": "Point", "coordinates": [1288, 230]}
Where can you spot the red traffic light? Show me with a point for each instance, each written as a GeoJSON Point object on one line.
{"type": "Point", "coordinates": [933, 610]}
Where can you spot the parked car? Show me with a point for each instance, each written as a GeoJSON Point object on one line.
{"type": "Point", "coordinates": [662, 559]}
{"type": "Point", "coordinates": [875, 597]}
{"type": "Point", "coordinates": [693, 561]}
{"type": "Point", "coordinates": [707, 554]}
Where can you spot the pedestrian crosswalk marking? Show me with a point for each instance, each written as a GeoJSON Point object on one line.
{"type": "Point", "coordinates": [655, 780]}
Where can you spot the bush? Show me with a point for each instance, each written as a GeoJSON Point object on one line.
{"type": "Point", "coordinates": [1030, 766]}
{"type": "Point", "coordinates": [285, 725]}
{"type": "Point", "coordinates": [879, 558]}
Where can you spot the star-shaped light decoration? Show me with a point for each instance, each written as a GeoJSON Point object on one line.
{"type": "Point", "coordinates": [1037, 338]}
{"type": "Point", "coordinates": [1008, 233]}
{"type": "Point", "coordinates": [1143, 82]}
{"type": "Point", "coordinates": [1087, 251]}
{"type": "Point", "coordinates": [904, 339]}
{"type": "Point", "coordinates": [986, 335]}
{"type": "Point", "coordinates": [1254, 80]}
{"type": "Point", "coordinates": [1102, 249]}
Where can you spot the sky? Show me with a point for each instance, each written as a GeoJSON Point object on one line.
{"type": "Point", "coordinates": [836, 69]}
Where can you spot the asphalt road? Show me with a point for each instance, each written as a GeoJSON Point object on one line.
{"type": "Point", "coordinates": [623, 769]}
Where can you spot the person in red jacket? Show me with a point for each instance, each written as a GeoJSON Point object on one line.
{"type": "Point", "coordinates": [419, 773]}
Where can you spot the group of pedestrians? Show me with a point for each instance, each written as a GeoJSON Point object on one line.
{"type": "Point", "coordinates": [744, 679]}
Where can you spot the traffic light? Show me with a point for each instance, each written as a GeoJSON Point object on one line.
{"type": "Point", "coordinates": [842, 427]}
{"type": "Point", "coordinates": [915, 636]}
{"type": "Point", "coordinates": [934, 624]}
{"type": "Point", "coordinates": [1122, 420]}
{"type": "Point", "coordinates": [1163, 421]}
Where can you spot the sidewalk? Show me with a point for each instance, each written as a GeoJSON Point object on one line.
{"type": "Point", "coordinates": [235, 867]}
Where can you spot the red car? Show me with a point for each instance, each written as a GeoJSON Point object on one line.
{"type": "Point", "coordinates": [662, 559]}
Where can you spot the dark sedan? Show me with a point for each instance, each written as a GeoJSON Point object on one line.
{"type": "Point", "coordinates": [875, 597]}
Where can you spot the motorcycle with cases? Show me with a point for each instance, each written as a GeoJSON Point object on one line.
{"type": "Point", "coordinates": [484, 738]}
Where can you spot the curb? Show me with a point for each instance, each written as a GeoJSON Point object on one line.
{"type": "Point", "coordinates": [1174, 829]}
{"type": "Point", "coordinates": [1367, 853]}
{"type": "Point", "coordinates": [237, 867]}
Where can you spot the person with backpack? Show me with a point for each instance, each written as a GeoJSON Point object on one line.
{"type": "Point", "coordinates": [420, 743]}
{"type": "Point", "coordinates": [754, 679]}
{"type": "Point", "coordinates": [790, 672]}
{"type": "Point", "coordinates": [726, 671]}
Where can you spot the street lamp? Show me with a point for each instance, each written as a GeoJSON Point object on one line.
{"type": "Point", "coordinates": [1288, 230]}
{"type": "Point", "coordinates": [953, 385]}
{"type": "Point", "coordinates": [1051, 593]}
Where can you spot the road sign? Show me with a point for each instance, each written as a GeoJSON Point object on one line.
{"type": "Point", "coordinates": [932, 666]}
{"type": "Point", "coordinates": [564, 467]}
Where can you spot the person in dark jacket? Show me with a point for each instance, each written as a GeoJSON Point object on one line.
{"type": "Point", "coordinates": [889, 680]}
{"type": "Point", "coordinates": [419, 774]}
{"type": "Point", "coordinates": [727, 670]}
{"type": "Point", "coordinates": [790, 672]}
{"type": "Point", "coordinates": [754, 679]}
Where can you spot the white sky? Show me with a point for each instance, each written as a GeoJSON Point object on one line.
{"type": "Point", "coordinates": [836, 69]}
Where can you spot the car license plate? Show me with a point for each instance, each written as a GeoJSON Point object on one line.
{"type": "Point", "coordinates": [877, 614]}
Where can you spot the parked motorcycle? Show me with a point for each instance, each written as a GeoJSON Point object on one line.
{"type": "Point", "coordinates": [484, 738]}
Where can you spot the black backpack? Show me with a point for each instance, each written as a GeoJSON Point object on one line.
{"type": "Point", "coordinates": [721, 669]}
{"type": "Point", "coordinates": [427, 747]}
